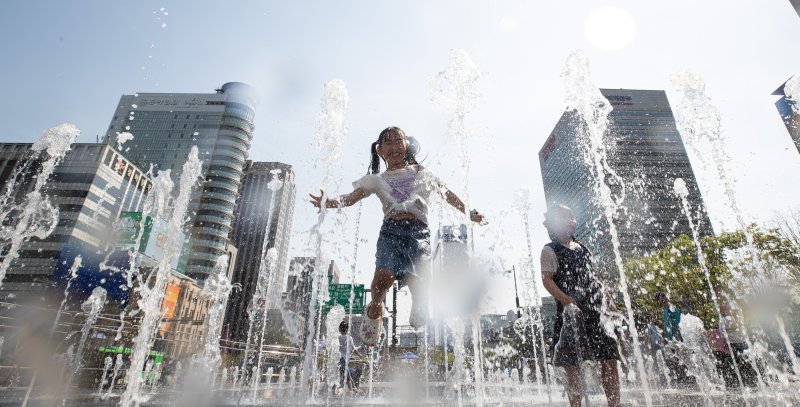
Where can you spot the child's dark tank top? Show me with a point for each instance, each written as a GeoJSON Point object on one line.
{"type": "Point", "coordinates": [575, 277]}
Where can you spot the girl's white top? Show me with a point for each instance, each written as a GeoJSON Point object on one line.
{"type": "Point", "coordinates": [403, 190]}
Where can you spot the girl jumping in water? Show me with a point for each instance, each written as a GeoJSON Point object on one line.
{"type": "Point", "coordinates": [404, 240]}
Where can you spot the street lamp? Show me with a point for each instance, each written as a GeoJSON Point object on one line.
{"type": "Point", "coordinates": [516, 293]}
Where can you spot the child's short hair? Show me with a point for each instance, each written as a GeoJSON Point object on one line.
{"type": "Point", "coordinates": [554, 213]}
{"type": "Point", "coordinates": [343, 327]}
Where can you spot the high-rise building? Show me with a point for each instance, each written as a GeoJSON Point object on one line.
{"type": "Point", "coordinates": [91, 187]}
{"type": "Point", "coordinates": [450, 247]}
{"type": "Point", "coordinates": [790, 113]}
{"type": "Point", "coordinates": [647, 153]}
{"type": "Point", "coordinates": [262, 213]}
{"type": "Point", "coordinates": [165, 126]}
{"type": "Point", "coordinates": [299, 284]}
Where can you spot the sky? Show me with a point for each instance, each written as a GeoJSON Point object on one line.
{"type": "Point", "coordinates": [71, 61]}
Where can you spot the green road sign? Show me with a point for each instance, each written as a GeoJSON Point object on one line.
{"type": "Point", "coordinates": [340, 294]}
{"type": "Point", "coordinates": [131, 223]}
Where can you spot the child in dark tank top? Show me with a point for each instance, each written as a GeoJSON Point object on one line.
{"type": "Point", "coordinates": [568, 276]}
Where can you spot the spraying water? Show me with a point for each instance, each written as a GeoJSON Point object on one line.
{"type": "Point", "coordinates": [329, 137]}
{"type": "Point", "coordinates": [267, 268]}
{"type": "Point", "coordinates": [35, 216]}
{"type": "Point", "coordinates": [268, 286]}
{"type": "Point", "coordinates": [217, 289]}
{"type": "Point", "coordinates": [683, 193]}
{"type": "Point", "coordinates": [107, 363]}
{"type": "Point", "coordinates": [585, 98]}
{"type": "Point", "coordinates": [353, 285]}
{"type": "Point", "coordinates": [151, 296]}
{"type": "Point", "coordinates": [92, 307]}
{"type": "Point", "coordinates": [700, 125]}
{"type": "Point", "coordinates": [73, 273]}
{"type": "Point", "coordinates": [523, 205]}
{"type": "Point", "coordinates": [335, 316]}
{"type": "Point", "coordinates": [114, 374]}
{"type": "Point", "coordinates": [455, 89]}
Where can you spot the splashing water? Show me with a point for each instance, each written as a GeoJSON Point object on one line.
{"type": "Point", "coordinates": [583, 96]}
{"type": "Point", "coordinates": [123, 138]}
{"type": "Point", "coordinates": [35, 216]}
{"type": "Point", "coordinates": [151, 297]}
{"type": "Point", "coordinates": [701, 362]}
{"type": "Point", "coordinates": [792, 91]}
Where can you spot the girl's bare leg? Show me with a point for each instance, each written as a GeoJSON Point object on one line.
{"type": "Point", "coordinates": [381, 283]}
{"type": "Point", "coordinates": [419, 304]}
{"type": "Point", "coordinates": [611, 382]}
{"type": "Point", "coordinates": [573, 385]}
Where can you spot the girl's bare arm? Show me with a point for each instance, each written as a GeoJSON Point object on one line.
{"type": "Point", "coordinates": [340, 202]}
{"type": "Point", "coordinates": [548, 260]}
{"type": "Point", "coordinates": [456, 202]}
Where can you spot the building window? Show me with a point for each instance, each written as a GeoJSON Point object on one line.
{"type": "Point", "coordinates": [109, 155]}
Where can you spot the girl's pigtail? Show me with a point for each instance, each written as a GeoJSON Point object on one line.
{"type": "Point", "coordinates": [412, 151]}
{"type": "Point", "coordinates": [375, 161]}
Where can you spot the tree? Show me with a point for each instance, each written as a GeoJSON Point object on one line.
{"type": "Point", "coordinates": [735, 270]}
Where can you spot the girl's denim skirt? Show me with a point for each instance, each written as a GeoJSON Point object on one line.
{"type": "Point", "coordinates": [403, 247]}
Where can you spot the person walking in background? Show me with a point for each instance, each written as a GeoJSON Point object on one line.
{"type": "Point", "coordinates": [346, 350]}
{"type": "Point", "coordinates": [655, 349]}
{"type": "Point", "coordinates": [671, 316]}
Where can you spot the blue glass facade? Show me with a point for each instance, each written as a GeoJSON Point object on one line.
{"type": "Point", "coordinates": [647, 152]}
{"type": "Point", "coordinates": [165, 127]}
